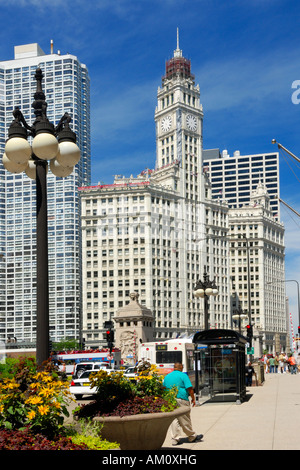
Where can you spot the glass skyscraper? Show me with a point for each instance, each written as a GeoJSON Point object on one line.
{"type": "Point", "coordinates": [67, 89]}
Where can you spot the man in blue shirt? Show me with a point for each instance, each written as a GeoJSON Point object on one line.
{"type": "Point", "coordinates": [184, 390]}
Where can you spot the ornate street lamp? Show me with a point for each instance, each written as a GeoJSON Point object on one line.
{"type": "Point", "coordinates": [239, 315]}
{"type": "Point", "coordinates": [205, 289]}
{"type": "Point", "coordinates": [57, 144]}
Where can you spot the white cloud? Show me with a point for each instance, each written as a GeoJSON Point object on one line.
{"type": "Point", "coordinates": [248, 81]}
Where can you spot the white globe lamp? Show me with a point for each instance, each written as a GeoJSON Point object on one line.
{"type": "Point", "coordinates": [13, 167]}
{"type": "Point", "coordinates": [18, 150]}
{"type": "Point", "coordinates": [59, 170]}
{"type": "Point", "coordinates": [69, 154]}
{"type": "Point", "coordinates": [45, 146]}
{"type": "Point", "coordinates": [199, 293]}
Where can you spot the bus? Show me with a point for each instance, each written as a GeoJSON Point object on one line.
{"type": "Point", "coordinates": [67, 360]}
{"type": "Point", "coordinates": [164, 354]}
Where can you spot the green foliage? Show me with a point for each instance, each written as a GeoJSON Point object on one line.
{"type": "Point", "coordinates": [111, 387]}
{"type": "Point", "coordinates": [89, 434]}
{"type": "Point", "coordinates": [67, 344]}
{"type": "Point", "coordinates": [13, 366]}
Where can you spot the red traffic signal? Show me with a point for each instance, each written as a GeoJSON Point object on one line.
{"type": "Point", "coordinates": [249, 329]}
{"type": "Point", "coordinates": [109, 336]}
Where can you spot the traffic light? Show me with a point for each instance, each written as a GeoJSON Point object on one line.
{"type": "Point", "coordinates": [298, 331]}
{"type": "Point", "coordinates": [109, 336]}
{"type": "Point", "coordinates": [249, 329]}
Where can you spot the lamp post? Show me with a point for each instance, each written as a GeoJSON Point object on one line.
{"type": "Point", "coordinates": [49, 142]}
{"type": "Point", "coordinates": [239, 315]}
{"type": "Point", "coordinates": [246, 241]}
{"type": "Point", "coordinates": [205, 289]}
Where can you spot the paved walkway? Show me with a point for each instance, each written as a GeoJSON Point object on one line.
{"type": "Point", "coordinates": [268, 420]}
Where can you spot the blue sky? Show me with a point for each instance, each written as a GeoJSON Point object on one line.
{"type": "Point", "coordinates": [245, 56]}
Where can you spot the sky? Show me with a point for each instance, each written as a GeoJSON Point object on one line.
{"type": "Point", "coordinates": [245, 56]}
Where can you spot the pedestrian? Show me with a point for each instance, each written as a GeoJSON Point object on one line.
{"type": "Point", "coordinates": [271, 364]}
{"type": "Point", "coordinates": [185, 391]}
{"type": "Point", "coordinates": [281, 363]}
{"type": "Point", "coordinates": [249, 370]}
{"type": "Point", "coordinates": [286, 363]}
{"type": "Point", "coordinates": [292, 363]}
{"type": "Point", "coordinates": [276, 362]}
{"type": "Point", "coordinates": [266, 363]}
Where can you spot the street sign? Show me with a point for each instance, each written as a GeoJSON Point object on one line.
{"type": "Point", "coordinates": [250, 350]}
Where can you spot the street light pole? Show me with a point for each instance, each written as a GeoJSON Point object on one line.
{"type": "Point", "coordinates": [42, 321]}
{"type": "Point", "coordinates": [205, 289]}
{"type": "Point", "coordinates": [57, 144]}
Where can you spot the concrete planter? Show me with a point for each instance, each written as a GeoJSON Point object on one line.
{"type": "Point", "coordinates": [138, 432]}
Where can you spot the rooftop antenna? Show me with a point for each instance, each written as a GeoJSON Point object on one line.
{"type": "Point", "coordinates": [178, 52]}
{"type": "Point", "coordinates": [51, 46]}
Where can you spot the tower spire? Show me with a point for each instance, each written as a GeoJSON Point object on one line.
{"type": "Point", "coordinates": [178, 52]}
{"type": "Point", "coordinates": [178, 66]}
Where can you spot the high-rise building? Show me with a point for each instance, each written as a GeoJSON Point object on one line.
{"type": "Point", "coordinates": [158, 232]}
{"type": "Point", "coordinates": [257, 269]}
{"type": "Point", "coordinates": [234, 177]}
{"type": "Point", "coordinates": [67, 89]}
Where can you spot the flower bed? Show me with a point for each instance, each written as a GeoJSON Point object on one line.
{"type": "Point", "coordinates": [33, 405]}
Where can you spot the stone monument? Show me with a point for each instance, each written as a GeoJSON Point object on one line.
{"type": "Point", "coordinates": [134, 324]}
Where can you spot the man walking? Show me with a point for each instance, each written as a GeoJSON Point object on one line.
{"type": "Point", "coordinates": [184, 391]}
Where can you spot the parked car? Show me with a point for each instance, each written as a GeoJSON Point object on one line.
{"type": "Point", "coordinates": [130, 373]}
{"type": "Point", "coordinates": [81, 386]}
{"type": "Point", "coordinates": [92, 366]}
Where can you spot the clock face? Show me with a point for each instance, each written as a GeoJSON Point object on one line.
{"type": "Point", "coordinates": [191, 122]}
{"type": "Point", "coordinates": [166, 123]}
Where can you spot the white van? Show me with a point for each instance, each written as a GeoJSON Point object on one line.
{"type": "Point", "coordinates": [90, 366]}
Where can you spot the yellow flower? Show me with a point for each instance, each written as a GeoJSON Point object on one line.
{"type": "Point", "coordinates": [43, 409]}
{"type": "Point", "coordinates": [46, 392]}
{"type": "Point", "coordinates": [34, 400]}
{"type": "Point", "coordinates": [31, 414]}
{"type": "Point", "coordinates": [10, 385]}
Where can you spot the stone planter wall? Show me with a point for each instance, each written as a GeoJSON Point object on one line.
{"type": "Point", "coordinates": [139, 432]}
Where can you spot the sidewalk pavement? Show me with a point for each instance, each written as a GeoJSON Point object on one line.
{"type": "Point", "coordinates": [269, 419]}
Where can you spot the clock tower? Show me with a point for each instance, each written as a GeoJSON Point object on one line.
{"type": "Point", "coordinates": [179, 118]}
